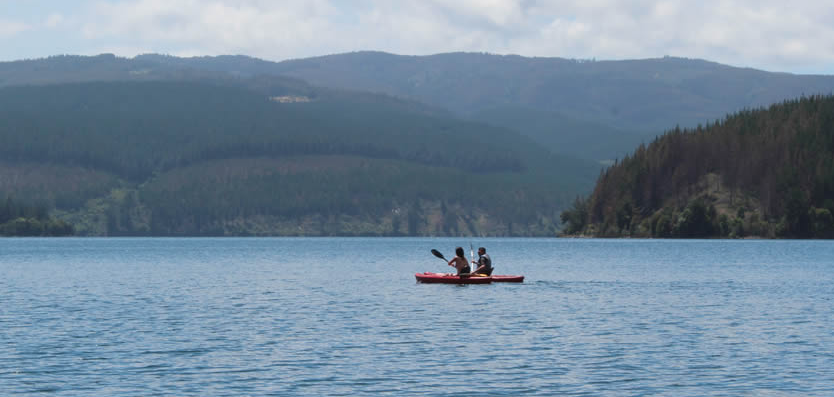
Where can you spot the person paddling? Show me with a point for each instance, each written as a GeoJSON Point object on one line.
{"type": "Point", "coordinates": [459, 262]}
{"type": "Point", "coordinates": [484, 263]}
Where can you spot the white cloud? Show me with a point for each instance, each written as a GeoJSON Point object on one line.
{"type": "Point", "coordinates": [498, 12]}
{"type": "Point", "coordinates": [11, 28]}
{"type": "Point", "coordinates": [767, 34]}
{"type": "Point", "coordinates": [54, 21]}
{"type": "Point", "coordinates": [260, 28]}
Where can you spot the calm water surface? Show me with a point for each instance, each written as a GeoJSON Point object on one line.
{"type": "Point", "coordinates": [237, 317]}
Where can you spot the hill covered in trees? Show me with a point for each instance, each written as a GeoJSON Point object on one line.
{"type": "Point", "coordinates": [573, 101]}
{"type": "Point", "coordinates": [201, 155]}
{"type": "Point", "coordinates": [767, 172]}
{"type": "Point", "coordinates": [499, 143]}
{"type": "Point", "coordinates": [568, 106]}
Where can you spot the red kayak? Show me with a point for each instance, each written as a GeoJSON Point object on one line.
{"type": "Point", "coordinates": [506, 278]}
{"type": "Point", "coordinates": [503, 278]}
{"type": "Point", "coordinates": [445, 278]}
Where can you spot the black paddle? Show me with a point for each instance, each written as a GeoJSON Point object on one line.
{"type": "Point", "coordinates": [439, 255]}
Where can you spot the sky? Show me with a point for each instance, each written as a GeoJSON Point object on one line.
{"type": "Point", "coordinates": [774, 35]}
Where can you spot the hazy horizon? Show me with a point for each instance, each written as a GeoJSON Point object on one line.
{"type": "Point", "coordinates": [765, 35]}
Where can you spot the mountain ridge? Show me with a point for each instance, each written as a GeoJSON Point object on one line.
{"type": "Point", "coordinates": [633, 99]}
{"type": "Point", "coordinates": [508, 121]}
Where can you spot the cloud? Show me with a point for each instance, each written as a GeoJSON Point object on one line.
{"type": "Point", "coordinates": [215, 26]}
{"type": "Point", "coordinates": [11, 28]}
{"type": "Point", "coordinates": [500, 13]}
{"type": "Point", "coordinates": [54, 21]}
{"type": "Point", "coordinates": [766, 34]}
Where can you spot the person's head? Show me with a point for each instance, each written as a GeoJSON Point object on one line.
{"type": "Point", "coordinates": [459, 251]}
{"type": "Point", "coordinates": [481, 250]}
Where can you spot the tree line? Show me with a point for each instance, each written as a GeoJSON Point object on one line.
{"type": "Point", "coordinates": [774, 168]}
{"type": "Point", "coordinates": [21, 219]}
{"type": "Point", "coordinates": [202, 198]}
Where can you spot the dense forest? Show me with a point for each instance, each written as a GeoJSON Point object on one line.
{"type": "Point", "coordinates": [133, 129]}
{"type": "Point", "coordinates": [499, 145]}
{"type": "Point", "coordinates": [260, 156]}
{"type": "Point", "coordinates": [767, 172]}
{"type": "Point", "coordinates": [22, 220]}
{"type": "Point", "coordinates": [594, 110]}
{"type": "Point", "coordinates": [633, 95]}
{"type": "Point", "coordinates": [563, 134]}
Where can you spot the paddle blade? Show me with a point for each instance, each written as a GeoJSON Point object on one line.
{"type": "Point", "coordinates": [437, 254]}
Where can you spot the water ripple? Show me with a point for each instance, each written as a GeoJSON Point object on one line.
{"type": "Point", "coordinates": [135, 317]}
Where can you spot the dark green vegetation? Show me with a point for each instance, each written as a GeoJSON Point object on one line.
{"type": "Point", "coordinates": [264, 157]}
{"type": "Point", "coordinates": [595, 110]}
{"type": "Point", "coordinates": [621, 103]}
{"type": "Point", "coordinates": [561, 134]}
{"type": "Point", "coordinates": [18, 219]}
{"type": "Point", "coordinates": [135, 129]}
{"type": "Point", "coordinates": [638, 95]}
{"type": "Point", "coordinates": [766, 172]}
{"type": "Point", "coordinates": [231, 145]}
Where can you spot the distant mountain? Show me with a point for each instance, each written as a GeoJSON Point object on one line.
{"type": "Point", "coordinates": [767, 172]}
{"type": "Point", "coordinates": [264, 156]}
{"type": "Point", "coordinates": [601, 108]}
{"type": "Point", "coordinates": [651, 94]}
{"type": "Point", "coordinates": [499, 142]}
{"type": "Point", "coordinates": [595, 110]}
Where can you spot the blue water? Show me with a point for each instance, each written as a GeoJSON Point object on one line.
{"type": "Point", "coordinates": [237, 317]}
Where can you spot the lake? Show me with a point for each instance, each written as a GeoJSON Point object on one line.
{"type": "Point", "coordinates": [345, 316]}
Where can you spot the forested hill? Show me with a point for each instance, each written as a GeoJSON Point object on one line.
{"type": "Point", "coordinates": [258, 156]}
{"type": "Point", "coordinates": [567, 106]}
{"type": "Point", "coordinates": [135, 129]}
{"type": "Point", "coordinates": [632, 94]}
{"type": "Point", "coordinates": [766, 172]}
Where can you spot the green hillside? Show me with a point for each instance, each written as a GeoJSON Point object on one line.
{"type": "Point", "coordinates": [134, 129]}
{"type": "Point", "coordinates": [597, 110]}
{"type": "Point", "coordinates": [639, 95]}
{"type": "Point", "coordinates": [766, 172]}
{"type": "Point", "coordinates": [564, 135]}
{"type": "Point", "coordinates": [602, 108]}
{"type": "Point", "coordinates": [262, 157]}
